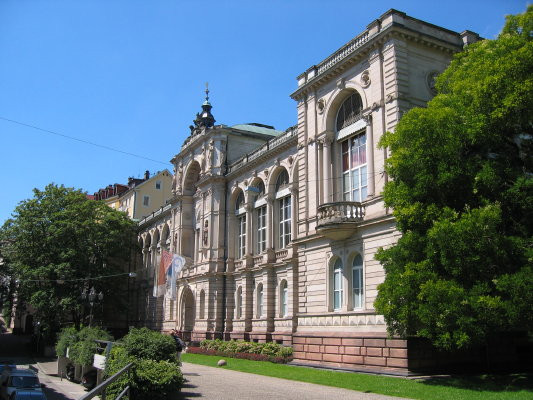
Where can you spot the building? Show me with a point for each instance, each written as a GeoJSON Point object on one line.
{"type": "Point", "coordinates": [280, 228]}
{"type": "Point", "coordinates": [110, 194]}
{"type": "Point", "coordinates": [144, 196]}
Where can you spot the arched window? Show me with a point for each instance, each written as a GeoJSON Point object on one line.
{"type": "Point", "coordinates": [260, 300]}
{"type": "Point", "coordinates": [350, 111]}
{"type": "Point", "coordinates": [239, 302]}
{"type": "Point", "coordinates": [202, 304]}
{"type": "Point", "coordinates": [337, 284]}
{"type": "Point", "coordinates": [284, 299]}
{"type": "Point", "coordinates": [353, 149]}
{"type": "Point", "coordinates": [284, 208]}
{"type": "Point", "coordinates": [357, 282]}
{"type": "Point", "coordinates": [241, 225]}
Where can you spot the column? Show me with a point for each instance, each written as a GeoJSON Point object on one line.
{"type": "Point", "coordinates": [326, 154]}
{"type": "Point", "coordinates": [370, 155]}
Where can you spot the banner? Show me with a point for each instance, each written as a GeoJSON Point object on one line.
{"type": "Point", "coordinates": [178, 262]}
{"type": "Point", "coordinates": [166, 261]}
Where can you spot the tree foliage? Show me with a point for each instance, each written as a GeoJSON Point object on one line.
{"type": "Point", "coordinates": [462, 194]}
{"type": "Point", "coordinates": [58, 243]}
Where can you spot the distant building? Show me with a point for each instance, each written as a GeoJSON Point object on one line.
{"type": "Point", "coordinates": [144, 196]}
{"type": "Point", "coordinates": [110, 194]}
{"type": "Point", "coordinates": [280, 228]}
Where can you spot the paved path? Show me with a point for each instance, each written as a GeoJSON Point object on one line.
{"type": "Point", "coordinates": [212, 383]}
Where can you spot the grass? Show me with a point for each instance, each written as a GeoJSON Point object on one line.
{"type": "Point", "coordinates": [486, 387]}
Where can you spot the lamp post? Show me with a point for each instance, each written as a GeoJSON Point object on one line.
{"type": "Point", "coordinates": [92, 296]}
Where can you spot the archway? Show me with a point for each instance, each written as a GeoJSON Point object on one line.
{"type": "Point", "coordinates": [188, 311]}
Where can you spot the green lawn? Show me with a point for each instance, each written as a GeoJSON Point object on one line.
{"type": "Point", "coordinates": [486, 387]}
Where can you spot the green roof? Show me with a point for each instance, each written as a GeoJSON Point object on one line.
{"type": "Point", "coordinates": [257, 128]}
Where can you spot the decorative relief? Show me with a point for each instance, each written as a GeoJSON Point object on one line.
{"type": "Point", "coordinates": [365, 79]}
{"type": "Point", "coordinates": [321, 105]}
{"type": "Point", "coordinates": [430, 81]}
{"type": "Point", "coordinates": [290, 159]}
{"type": "Point", "coordinates": [375, 106]}
{"type": "Point", "coordinates": [341, 83]}
{"type": "Point", "coordinates": [391, 97]}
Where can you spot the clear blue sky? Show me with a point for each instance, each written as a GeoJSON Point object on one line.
{"type": "Point", "coordinates": [130, 74]}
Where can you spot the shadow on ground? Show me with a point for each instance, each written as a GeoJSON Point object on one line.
{"type": "Point", "coordinates": [486, 383]}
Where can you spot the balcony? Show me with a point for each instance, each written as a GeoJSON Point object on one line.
{"type": "Point", "coordinates": [339, 220]}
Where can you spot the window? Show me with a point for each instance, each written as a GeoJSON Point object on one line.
{"type": "Point", "coordinates": [260, 300]}
{"type": "Point", "coordinates": [241, 225]}
{"type": "Point", "coordinates": [158, 185]}
{"type": "Point", "coordinates": [337, 285]}
{"type": "Point", "coordinates": [357, 281]}
{"type": "Point", "coordinates": [354, 171]}
{"type": "Point", "coordinates": [239, 302]}
{"type": "Point", "coordinates": [350, 111]}
{"type": "Point", "coordinates": [284, 221]}
{"type": "Point", "coordinates": [146, 201]}
{"type": "Point", "coordinates": [202, 304]}
{"type": "Point", "coordinates": [284, 207]}
{"type": "Point", "coordinates": [284, 294]}
{"type": "Point", "coordinates": [261, 213]}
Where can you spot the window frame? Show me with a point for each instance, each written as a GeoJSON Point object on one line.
{"type": "Point", "coordinates": [358, 267]}
{"type": "Point", "coordinates": [354, 147]}
{"type": "Point", "coordinates": [284, 299]}
{"type": "Point", "coordinates": [261, 220]}
{"type": "Point", "coordinates": [260, 300]}
{"type": "Point", "coordinates": [337, 285]}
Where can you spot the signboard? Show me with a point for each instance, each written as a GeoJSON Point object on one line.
{"type": "Point", "coordinates": [99, 361]}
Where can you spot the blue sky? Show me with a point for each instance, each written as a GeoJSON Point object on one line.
{"type": "Point", "coordinates": [130, 74]}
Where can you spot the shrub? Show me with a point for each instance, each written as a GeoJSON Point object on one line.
{"type": "Point", "coordinates": [148, 378]}
{"type": "Point", "coordinates": [81, 343]}
{"type": "Point", "coordinates": [144, 343]}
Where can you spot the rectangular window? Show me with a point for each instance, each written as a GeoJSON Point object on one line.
{"type": "Point", "coordinates": [241, 238]}
{"type": "Point", "coordinates": [284, 303]}
{"type": "Point", "coordinates": [284, 221]}
{"type": "Point", "coordinates": [354, 168]}
{"type": "Point", "coordinates": [261, 229]}
{"type": "Point", "coordinates": [146, 201]}
{"type": "Point", "coordinates": [357, 282]}
{"type": "Point", "coordinates": [158, 185]}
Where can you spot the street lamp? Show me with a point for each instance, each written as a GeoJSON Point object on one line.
{"type": "Point", "coordinates": [92, 296]}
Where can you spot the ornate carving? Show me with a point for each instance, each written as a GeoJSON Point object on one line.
{"type": "Point", "coordinates": [205, 233]}
{"type": "Point", "coordinates": [321, 105]}
{"type": "Point", "coordinates": [290, 159]}
{"type": "Point", "coordinates": [430, 81]}
{"type": "Point", "coordinates": [210, 154]}
{"type": "Point", "coordinates": [341, 83]}
{"type": "Point", "coordinates": [266, 172]}
{"type": "Point", "coordinates": [365, 79]}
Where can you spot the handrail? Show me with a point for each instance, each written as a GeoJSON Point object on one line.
{"type": "Point", "coordinates": [100, 388]}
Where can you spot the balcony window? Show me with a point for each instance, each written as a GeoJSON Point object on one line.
{"type": "Point", "coordinates": [241, 225]}
{"type": "Point", "coordinates": [354, 168]}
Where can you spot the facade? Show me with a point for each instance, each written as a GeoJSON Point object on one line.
{"type": "Point", "coordinates": [110, 194]}
{"type": "Point", "coordinates": [144, 196]}
{"type": "Point", "coordinates": [279, 228]}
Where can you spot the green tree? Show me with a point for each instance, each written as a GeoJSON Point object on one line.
{"type": "Point", "coordinates": [462, 194]}
{"type": "Point", "coordinates": [60, 242]}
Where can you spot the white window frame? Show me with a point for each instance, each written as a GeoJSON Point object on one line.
{"type": "Point", "coordinates": [241, 235]}
{"type": "Point", "coordinates": [284, 221]}
{"type": "Point", "coordinates": [354, 177]}
{"type": "Point", "coordinates": [261, 218]}
{"type": "Point", "coordinates": [337, 285]}
{"type": "Point", "coordinates": [358, 291]}
{"type": "Point", "coordinates": [158, 185]}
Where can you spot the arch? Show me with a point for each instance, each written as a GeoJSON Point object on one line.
{"type": "Point", "coordinates": [258, 184]}
{"type": "Point", "coordinates": [188, 314]}
{"type": "Point", "coordinates": [155, 237]}
{"type": "Point", "coordinates": [165, 236]}
{"type": "Point", "coordinates": [336, 272]}
{"type": "Point", "coordinates": [357, 281]}
{"type": "Point", "coordinates": [348, 111]}
{"type": "Point", "coordinates": [335, 101]}
{"type": "Point", "coordinates": [192, 175]}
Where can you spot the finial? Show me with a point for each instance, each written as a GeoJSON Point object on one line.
{"type": "Point", "coordinates": [207, 91]}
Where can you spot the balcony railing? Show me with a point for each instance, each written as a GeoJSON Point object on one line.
{"type": "Point", "coordinates": [338, 220]}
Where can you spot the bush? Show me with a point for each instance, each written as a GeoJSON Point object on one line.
{"type": "Point", "coordinates": [149, 378]}
{"type": "Point", "coordinates": [233, 347]}
{"type": "Point", "coordinates": [81, 343]}
{"type": "Point", "coordinates": [144, 343]}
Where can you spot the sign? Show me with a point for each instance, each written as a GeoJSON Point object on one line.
{"type": "Point", "coordinates": [99, 361]}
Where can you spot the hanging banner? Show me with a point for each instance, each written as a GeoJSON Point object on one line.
{"type": "Point", "coordinates": [178, 262]}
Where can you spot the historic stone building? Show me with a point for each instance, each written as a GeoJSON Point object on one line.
{"type": "Point", "coordinates": [280, 228]}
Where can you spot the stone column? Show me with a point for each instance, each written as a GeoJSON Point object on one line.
{"type": "Point", "coordinates": [370, 155]}
{"type": "Point", "coordinates": [326, 153]}
{"type": "Point", "coordinates": [270, 228]}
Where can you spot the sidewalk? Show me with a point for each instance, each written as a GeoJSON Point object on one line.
{"type": "Point", "coordinates": [57, 388]}
{"type": "Point", "coordinates": [212, 383]}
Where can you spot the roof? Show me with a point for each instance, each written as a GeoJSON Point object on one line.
{"type": "Point", "coordinates": [258, 128]}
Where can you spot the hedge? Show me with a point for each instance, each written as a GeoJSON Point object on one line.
{"type": "Point", "coordinates": [81, 344]}
{"type": "Point", "coordinates": [239, 348]}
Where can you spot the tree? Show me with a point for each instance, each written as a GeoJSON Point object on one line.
{"type": "Point", "coordinates": [462, 195]}
{"type": "Point", "coordinates": [60, 242]}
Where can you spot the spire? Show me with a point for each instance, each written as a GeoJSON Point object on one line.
{"type": "Point", "coordinates": [204, 119]}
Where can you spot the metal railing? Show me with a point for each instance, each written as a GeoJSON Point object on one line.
{"type": "Point", "coordinates": [100, 389]}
